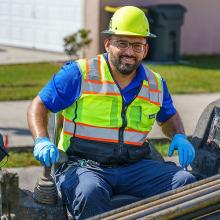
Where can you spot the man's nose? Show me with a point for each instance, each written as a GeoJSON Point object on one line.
{"type": "Point", "coordinates": [130, 50]}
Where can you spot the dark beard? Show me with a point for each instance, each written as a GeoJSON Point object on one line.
{"type": "Point", "coordinates": [125, 69]}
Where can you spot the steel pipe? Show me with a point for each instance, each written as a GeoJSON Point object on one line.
{"type": "Point", "coordinates": [198, 188]}
{"type": "Point", "coordinates": [166, 202]}
{"type": "Point", "coordinates": [186, 207]}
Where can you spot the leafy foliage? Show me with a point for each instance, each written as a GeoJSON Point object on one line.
{"type": "Point", "coordinates": [76, 42]}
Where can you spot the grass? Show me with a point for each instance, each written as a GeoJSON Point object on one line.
{"type": "Point", "coordinates": [24, 81]}
{"type": "Point", "coordinates": [23, 159]}
{"type": "Point", "coordinates": [198, 74]}
{"type": "Point", "coordinates": [162, 146]}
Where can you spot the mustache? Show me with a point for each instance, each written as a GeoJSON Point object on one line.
{"type": "Point", "coordinates": [127, 56]}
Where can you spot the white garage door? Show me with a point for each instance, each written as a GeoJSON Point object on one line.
{"type": "Point", "coordinates": [40, 24]}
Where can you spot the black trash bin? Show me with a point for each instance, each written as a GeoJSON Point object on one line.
{"type": "Point", "coordinates": [165, 21]}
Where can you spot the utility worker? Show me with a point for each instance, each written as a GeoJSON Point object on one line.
{"type": "Point", "coordinates": [110, 103]}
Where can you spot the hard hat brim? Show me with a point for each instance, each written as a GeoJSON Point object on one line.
{"type": "Point", "coordinates": [127, 33]}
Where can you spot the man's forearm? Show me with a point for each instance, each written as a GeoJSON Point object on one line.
{"type": "Point", "coordinates": [37, 117]}
{"type": "Point", "coordinates": [173, 126]}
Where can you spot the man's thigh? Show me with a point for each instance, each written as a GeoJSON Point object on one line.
{"type": "Point", "coordinates": [84, 190]}
{"type": "Point", "coordinates": [148, 177]}
{"type": "Point", "coordinates": [71, 179]}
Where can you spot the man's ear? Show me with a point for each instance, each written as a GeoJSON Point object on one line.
{"type": "Point", "coordinates": [107, 44]}
{"type": "Point", "coordinates": [146, 50]}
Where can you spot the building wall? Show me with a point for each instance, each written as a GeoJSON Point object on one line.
{"type": "Point", "coordinates": [39, 24]}
{"type": "Point", "coordinates": [200, 32]}
{"type": "Point", "coordinates": [92, 17]}
{"type": "Point", "coordinates": [43, 24]}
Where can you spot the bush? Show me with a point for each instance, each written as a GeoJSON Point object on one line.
{"type": "Point", "coordinates": [75, 43]}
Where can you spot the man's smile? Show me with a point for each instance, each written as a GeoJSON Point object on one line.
{"type": "Point", "coordinates": [128, 59]}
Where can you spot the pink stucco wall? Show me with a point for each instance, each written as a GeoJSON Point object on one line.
{"type": "Point", "coordinates": [91, 22]}
{"type": "Point", "coordinates": [200, 33]}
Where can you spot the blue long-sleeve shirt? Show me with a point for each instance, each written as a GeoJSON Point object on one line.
{"type": "Point", "coordinates": [64, 89]}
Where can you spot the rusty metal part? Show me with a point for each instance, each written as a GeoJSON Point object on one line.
{"type": "Point", "coordinates": [45, 191]}
{"type": "Point", "coordinates": [31, 210]}
{"type": "Point", "coordinates": [199, 195]}
{"type": "Point", "coordinates": [9, 194]}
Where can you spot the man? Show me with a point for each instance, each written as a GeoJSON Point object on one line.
{"type": "Point", "coordinates": [110, 104]}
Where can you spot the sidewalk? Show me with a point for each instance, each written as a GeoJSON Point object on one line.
{"type": "Point", "coordinates": [190, 107]}
{"type": "Point", "coordinates": [14, 55]}
{"type": "Point", "coordinates": [28, 176]}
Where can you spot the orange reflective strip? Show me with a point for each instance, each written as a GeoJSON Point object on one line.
{"type": "Point", "coordinates": [87, 69]}
{"type": "Point", "coordinates": [96, 139]}
{"type": "Point", "coordinates": [156, 103]}
{"type": "Point", "coordinates": [134, 143]}
{"type": "Point", "coordinates": [99, 67]}
{"type": "Point", "coordinates": [154, 90]}
{"type": "Point", "coordinates": [68, 120]}
{"type": "Point", "coordinates": [99, 82]}
{"type": "Point", "coordinates": [106, 93]}
{"type": "Point", "coordinates": [83, 124]}
{"type": "Point", "coordinates": [144, 98]}
{"type": "Point", "coordinates": [132, 130]}
{"type": "Point", "coordinates": [67, 132]}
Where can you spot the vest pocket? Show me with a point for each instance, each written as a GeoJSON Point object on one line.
{"type": "Point", "coordinates": [148, 117]}
{"type": "Point", "coordinates": [134, 116]}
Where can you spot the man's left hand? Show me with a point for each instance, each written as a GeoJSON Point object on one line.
{"type": "Point", "coordinates": [185, 149]}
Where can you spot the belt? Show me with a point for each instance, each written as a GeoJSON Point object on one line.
{"type": "Point", "coordinates": [84, 163]}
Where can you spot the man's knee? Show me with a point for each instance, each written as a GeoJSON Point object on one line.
{"type": "Point", "coordinates": [90, 199]}
{"type": "Point", "coordinates": [182, 178]}
{"type": "Point", "coordinates": [91, 191]}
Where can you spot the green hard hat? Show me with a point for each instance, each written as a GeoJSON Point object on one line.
{"type": "Point", "coordinates": [129, 21]}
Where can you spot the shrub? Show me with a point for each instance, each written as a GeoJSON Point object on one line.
{"type": "Point", "coordinates": [75, 43]}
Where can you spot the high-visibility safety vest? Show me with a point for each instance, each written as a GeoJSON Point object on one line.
{"type": "Point", "coordinates": [100, 114]}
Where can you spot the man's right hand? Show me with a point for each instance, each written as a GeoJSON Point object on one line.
{"type": "Point", "coordinates": [45, 151]}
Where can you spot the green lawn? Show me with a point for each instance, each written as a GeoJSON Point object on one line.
{"type": "Point", "coordinates": [23, 159]}
{"type": "Point", "coordinates": [23, 81]}
{"type": "Point", "coordinates": [162, 146]}
{"type": "Point", "coordinates": [200, 74]}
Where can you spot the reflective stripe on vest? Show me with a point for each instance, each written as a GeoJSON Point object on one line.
{"type": "Point", "coordinates": [102, 134]}
{"type": "Point", "coordinates": [98, 84]}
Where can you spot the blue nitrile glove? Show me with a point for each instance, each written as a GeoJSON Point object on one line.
{"type": "Point", "coordinates": [185, 149]}
{"type": "Point", "coordinates": [45, 151]}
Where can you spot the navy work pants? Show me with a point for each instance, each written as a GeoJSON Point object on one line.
{"type": "Point", "coordinates": [87, 189]}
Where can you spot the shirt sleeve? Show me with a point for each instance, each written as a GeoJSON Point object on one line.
{"type": "Point", "coordinates": [63, 89]}
{"type": "Point", "coordinates": [167, 110]}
